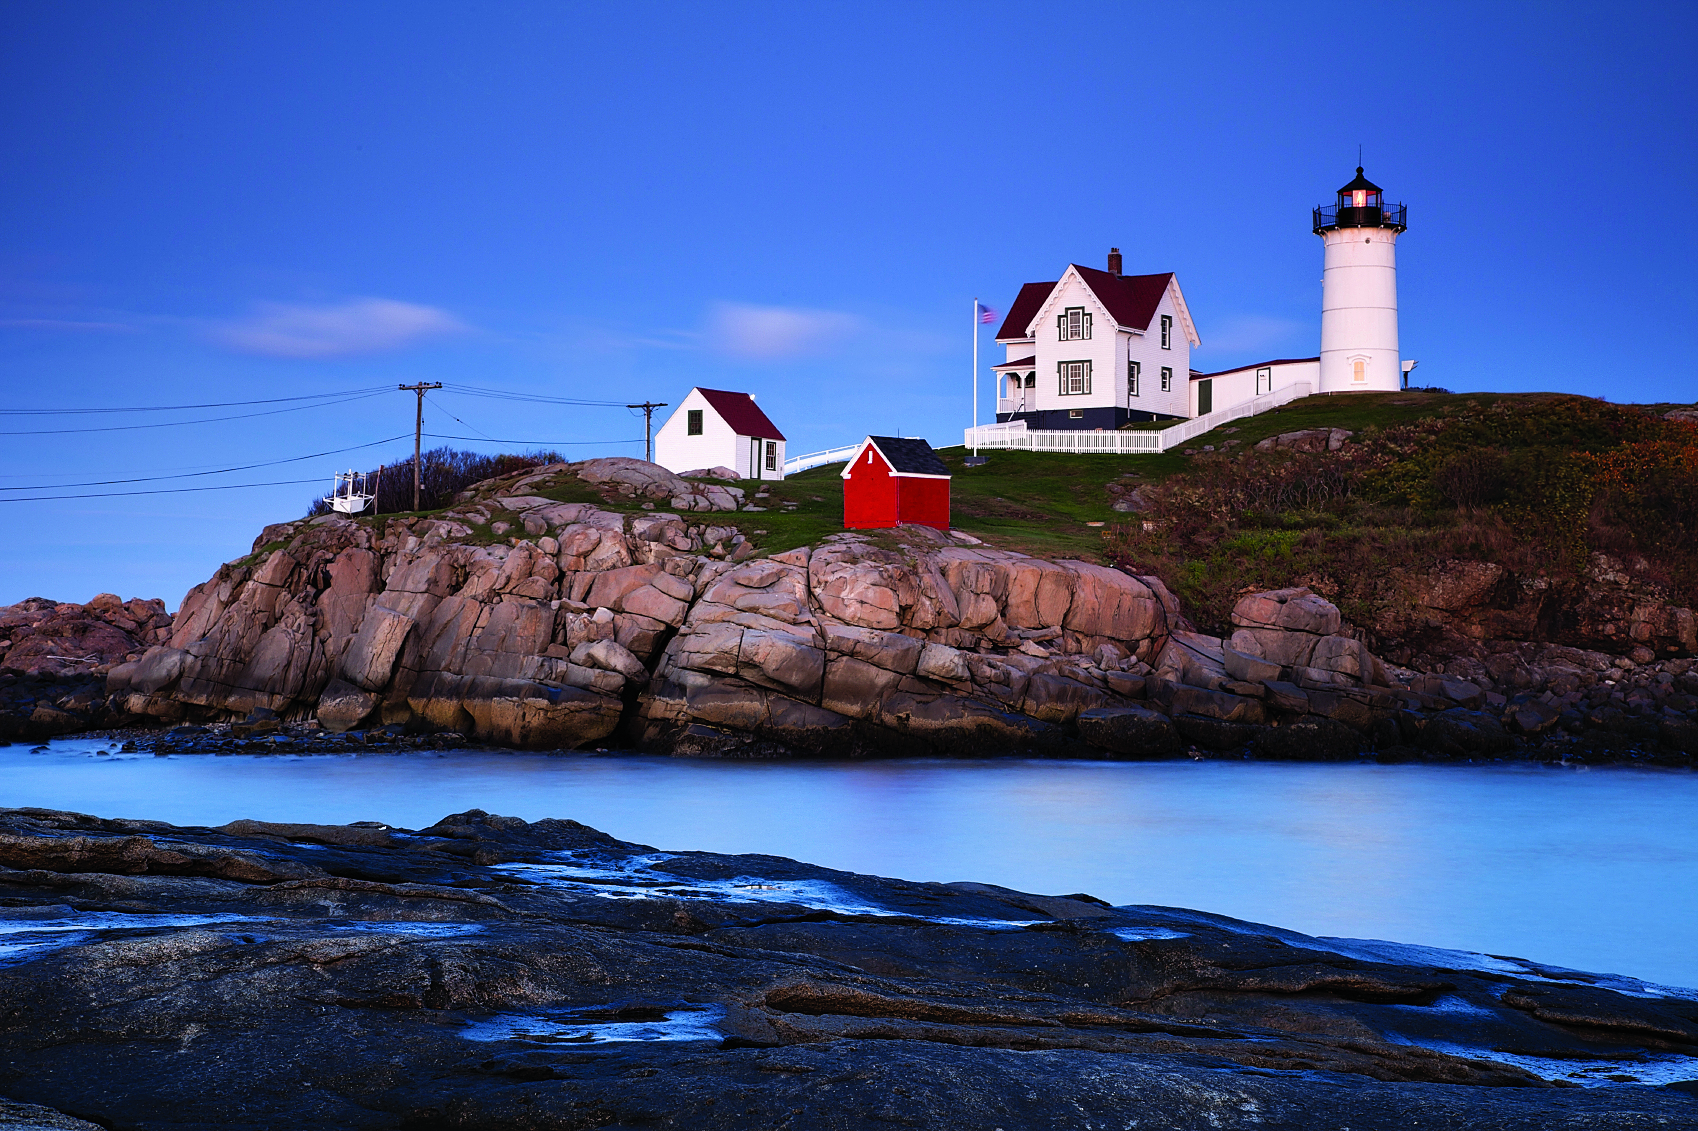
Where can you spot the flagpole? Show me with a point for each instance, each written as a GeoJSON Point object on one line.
{"type": "Point", "coordinates": [975, 376]}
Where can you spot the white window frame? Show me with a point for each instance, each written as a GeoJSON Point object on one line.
{"type": "Point", "coordinates": [1134, 370]}
{"type": "Point", "coordinates": [1073, 325]}
{"type": "Point", "coordinates": [1167, 331]}
{"type": "Point", "coordinates": [1076, 374]}
{"type": "Point", "coordinates": [1166, 379]}
{"type": "Point", "coordinates": [1075, 414]}
{"type": "Point", "coordinates": [772, 455]}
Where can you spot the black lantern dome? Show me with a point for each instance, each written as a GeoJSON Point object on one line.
{"type": "Point", "coordinates": [1360, 206]}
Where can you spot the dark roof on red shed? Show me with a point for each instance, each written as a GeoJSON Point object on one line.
{"type": "Point", "coordinates": [912, 456]}
{"type": "Point", "coordinates": [741, 412]}
{"type": "Point", "coordinates": [1025, 308]}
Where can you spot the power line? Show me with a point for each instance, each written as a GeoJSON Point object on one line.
{"type": "Point", "coordinates": [207, 420]}
{"type": "Point", "coordinates": [196, 474]}
{"type": "Point", "coordinates": [434, 401]}
{"type": "Point", "coordinates": [185, 407]}
{"type": "Point", "coordinates": [535, 398]}
{"type": "Point", "coordinates": [541, 443]}
{"type": "Point", "coordinates": [160, 491]}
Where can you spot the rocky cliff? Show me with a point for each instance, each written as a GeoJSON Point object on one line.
{"type": "Point", "coordinates": [54, 658]}
{"type": "Point", "coordinates": [661, 621]}
{"type": "Point", "coordinates": [550, 609]}
{"type": "Point", "coordinates": [491, 973]}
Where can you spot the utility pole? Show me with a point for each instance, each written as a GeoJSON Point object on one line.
{"type": "Point", "coordinates": [648, 408]}
{"type": "Point", "coordinates": [418, 430]}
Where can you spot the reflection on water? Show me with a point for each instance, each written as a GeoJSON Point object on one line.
{"type": "Point", "coordinates": [1596, 870]}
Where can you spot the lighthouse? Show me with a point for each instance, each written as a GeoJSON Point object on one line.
{"type": "Point", "coordinates": [1359, 290]}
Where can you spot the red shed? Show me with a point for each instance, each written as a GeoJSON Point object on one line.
{"type": "Point", "coordinates": [892, 482]}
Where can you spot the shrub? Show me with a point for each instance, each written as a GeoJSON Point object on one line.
{"type": "Point", "coordinates": [443, 473]}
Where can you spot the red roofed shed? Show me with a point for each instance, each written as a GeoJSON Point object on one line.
{"type": "Point", "coordinates": [895, 482]}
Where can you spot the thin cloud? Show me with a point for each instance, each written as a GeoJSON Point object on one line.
{"type": "Point", "coordinates": [358, 326]}
{"type": "Point", "coordinates": [65, 324]}
{"type": "Point", "coordinates": [777, 333]}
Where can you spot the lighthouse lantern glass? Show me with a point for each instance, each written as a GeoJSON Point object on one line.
{"type": "Point", "coordinates": [1359, 198]}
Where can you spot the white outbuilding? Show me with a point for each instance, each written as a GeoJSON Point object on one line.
{"type": "Point", "coordinates": [715, 428]}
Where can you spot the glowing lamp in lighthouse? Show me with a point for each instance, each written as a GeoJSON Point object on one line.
{"type": "Point", "coordinates": [1359, 347]}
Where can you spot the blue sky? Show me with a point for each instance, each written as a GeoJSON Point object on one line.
{"type": "Point", "coordinates": [208, 202]}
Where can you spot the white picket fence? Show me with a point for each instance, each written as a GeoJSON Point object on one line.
{"type": "Point", "coordinates": [1016, 436]}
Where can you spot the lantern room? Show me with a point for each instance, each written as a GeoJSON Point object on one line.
{"type": "Point", "coordinates": [1360, 205]}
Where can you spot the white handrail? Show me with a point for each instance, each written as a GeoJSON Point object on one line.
{"type": "Point", "coordinates": [818, 459]}
{"type": "Point", "coordinates": [1015, 435]}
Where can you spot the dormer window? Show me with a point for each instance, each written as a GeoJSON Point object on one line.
{"type": "Point", "coordinates": [1074, 324]}
{"type": "Point", "coordinates": [1166, 332]}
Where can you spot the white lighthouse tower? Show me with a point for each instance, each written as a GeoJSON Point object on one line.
{"type": "Point", "coordinates": [1359, 290]}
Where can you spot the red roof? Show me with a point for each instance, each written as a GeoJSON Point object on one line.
{"type": "Point", "coordinates": [1023, 363]}
{"type": "Point", "coordinates": [1195, 376]}
{"type": "Point", "coordinates": [1025, 308]}
{"type": "Point", "coordinates": [1130, 299]}
{"type": "Point", "coordinates": [740, 411]}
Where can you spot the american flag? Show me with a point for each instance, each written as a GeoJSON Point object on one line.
{"type": "Point", "coordinates": [986, 315]}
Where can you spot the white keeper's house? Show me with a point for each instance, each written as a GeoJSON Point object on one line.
{"type": "Point", "coordinates": [1097, 350]}
{"type": "Point", "coordinates": [715, 428]}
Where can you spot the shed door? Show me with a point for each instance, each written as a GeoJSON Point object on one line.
{"type": "Point", "coordinates": [1205, 397]}
{"type": "Point", "coordinates": [754, 459]}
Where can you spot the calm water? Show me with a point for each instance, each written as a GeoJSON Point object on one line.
{"type": "Point", "coordinates": [1596, 870]}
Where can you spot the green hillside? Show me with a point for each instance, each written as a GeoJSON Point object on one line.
{"type": "Point", "coordinates": [1536, 482]}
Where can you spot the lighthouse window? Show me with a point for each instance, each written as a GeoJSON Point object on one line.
{"type": "Point", "coordinates": [1166, 332]}
{"type": "Point", "coordinates": [1074, 324]}
{"type": "Point", "coordinates": [1075, 377]}
{"type": "Point", "coordinates": [1360, 370]}
{"type": "Point", "coordinates": [1166, 379]}
{"type": "Point", "coordinates": [1132, 370]}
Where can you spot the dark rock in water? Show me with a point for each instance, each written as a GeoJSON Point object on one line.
{"type": "Point", "coordinates": [1311, 738]}
{"type": "Point", "coordinates": [1215, 734]}
{"type": "Point", "coordinates": [1135, 731]}
{"type": "Point", "coordinates": [1459, 732]}
{"type": "Point", "coordinates": [492, 973]}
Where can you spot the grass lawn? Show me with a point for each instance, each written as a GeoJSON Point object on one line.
{"type": "Point", "coordinates": [1036, 503]}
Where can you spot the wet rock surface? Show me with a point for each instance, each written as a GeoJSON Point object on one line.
{"type": "Point", "coordinates": [489, 973]}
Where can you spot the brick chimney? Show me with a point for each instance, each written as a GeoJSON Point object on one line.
{"type": "Point", "coordinates": [1114, 261]}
